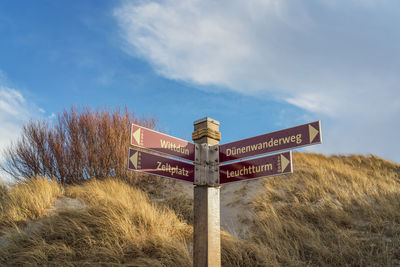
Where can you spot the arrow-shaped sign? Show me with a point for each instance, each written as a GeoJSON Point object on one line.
{"type": "Point", "coordinates": [154, 164]}
{"type": "Point", "coordinates": [257, 168]}
{"type": "Point", "coordinates": [159, 142]}
{"type": "Point", "coordinates": [295, 137]}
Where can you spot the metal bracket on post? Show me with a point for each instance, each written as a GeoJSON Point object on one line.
{"type": "Point", "coordinates": [206, 165]}
{"type": "Point", "coordinates": [213, 166]}
{"type": "Point", "coordinates": [201, 161]}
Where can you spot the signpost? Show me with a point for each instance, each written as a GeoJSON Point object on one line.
{"type": "Point", "coordinates": [257, 168]}
{"type": "Point", "coordinates": [295, 137]}
{"type": "Point", "coordinates": [206, 193]}
{"type": "Point", "coordinates": [156, 141]}
{"type": "Point", "coordinates": [154, 164]}
{"type": "Point", "coordinates": [206, 172]}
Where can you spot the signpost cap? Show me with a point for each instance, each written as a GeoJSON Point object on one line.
{"type": "Point", "coordinates": [206, 130]}
{"type": "Point", "coordinates": [206, 119]}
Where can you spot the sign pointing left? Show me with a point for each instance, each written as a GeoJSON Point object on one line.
{"type": "Point", "coordinates": [153, 140]}
{"type": "Point", "coordinates": [141, 161]}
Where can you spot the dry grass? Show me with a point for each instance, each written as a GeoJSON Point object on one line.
{"type": "Point", "coordinates": [3, 191]}
{"type": "Point", "coordinates": [333, 211]}
{"type": "Point", "coordinates": [118, 226]}
{"type": "Point", "coordinates": [27, 201]}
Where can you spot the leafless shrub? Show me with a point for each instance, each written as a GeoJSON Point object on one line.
{"type": "Point", "coordinates": [81, 144]}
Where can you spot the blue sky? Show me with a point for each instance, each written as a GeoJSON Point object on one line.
{"type": "Point", "coordinates": [256, 66]}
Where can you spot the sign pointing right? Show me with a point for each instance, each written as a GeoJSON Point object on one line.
{"type": "Point", "coordinates": [299, 136]}
{"type": "Point", "coordinates": [256, 168]}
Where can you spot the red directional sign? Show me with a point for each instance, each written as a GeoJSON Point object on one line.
{"type": "Point", "coordinates": [256, 168]}
{"type": "Point", "coordinates": [153, 164]}
{"type": "Point", "coordinates": [150, 139]}
{"type": "Point", "coordinates": [299, 136]}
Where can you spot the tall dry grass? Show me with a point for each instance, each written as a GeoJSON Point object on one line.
{"type": "Point", "coordinates": [118, 225]}
{"type": "Point", "coordinates": [332, 211]}
{"type": "Point", "coordinates": [81, 144]}
{"type": "Point", "coordinates": [27, 201]}
{"type": "Point", "coordinates": [3, 191]}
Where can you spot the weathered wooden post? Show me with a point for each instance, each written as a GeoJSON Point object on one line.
{"type": "Point", "coordinates": [207, 236]}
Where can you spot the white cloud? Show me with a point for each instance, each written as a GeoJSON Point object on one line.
{"type": "Point", "coordinates": [10, 100]}
{"type": "Point", "coordinates": [15, 110]}
{"type": "Point", "coordinates": [12, 113]}
{"type": "Point", "coordinates": [339, 59]}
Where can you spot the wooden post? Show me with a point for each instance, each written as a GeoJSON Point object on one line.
{"type": "Point", "coordinates": [206, 236]}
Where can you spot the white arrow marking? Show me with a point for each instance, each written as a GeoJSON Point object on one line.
{"type": "Point", "coordinates": [136, 136]}
{"type": "Point", "coordinates": [133, 159]}
{"type": "Point", "coordinates": [284, 162]}
{"type": "Point", "coordinates": [313, 132]}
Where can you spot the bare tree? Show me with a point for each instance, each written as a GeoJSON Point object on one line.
{"type": "Point", "coordinates": [81, 144]}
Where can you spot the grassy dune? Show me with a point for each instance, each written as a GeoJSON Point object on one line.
{"type": "Point", "coordinates": [27, 201]}
{"type": "Point", "coordinates": [118, 225]}
{"type": "Point", "coordinates": [331, 211]}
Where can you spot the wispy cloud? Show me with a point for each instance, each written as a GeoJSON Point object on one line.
{"type": "Point", "coordinates": [12, 116]}
{"type": "Point", "coordinates": [15, 110]}
{"type": "Point", "coordinates": [339, 59]}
